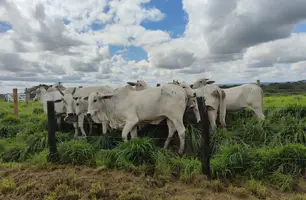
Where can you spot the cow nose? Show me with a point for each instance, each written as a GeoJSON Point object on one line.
{"type": "Point", "coordinates": [70, 114]}
{"type": "Point", "coordinates": [191, 86]}
{"type": "Point", "coordinates": [194, 94]}
{"type": "Point", "coordinates": [88, 114]}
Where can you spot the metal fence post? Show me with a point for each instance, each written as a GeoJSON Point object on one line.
{"type": "Point", "coordinates": [205, 143]}
{"type": "Point", "coordinates": [52, 157]}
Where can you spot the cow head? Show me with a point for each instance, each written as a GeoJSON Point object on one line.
{"type": "Point", "coordinates": [200, 83]}
{"type": "Point", "coordinates": [193, 105]}
{"type": "Point", "coordinates": [189, 92]}
{"type": "Point", "coordinates": [39, 93]}
{"type": "Point", "coordinates": [68, 100]}
{"type": "Point", "coordinates": [80, 105]}
{"type": "Point", "coordinates": [140, 85]}
{"type": "Point", "coordinates": [94, 102]}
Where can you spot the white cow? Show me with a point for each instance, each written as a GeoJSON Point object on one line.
{"type": "Point", "coordinates": [244, 96]}
{"type": "Point", "coordinates": [191, 101]}
{"type": "Point", "coordinates": [125, 108]}
{"type": "Point", "coordinates": [43, 95]}
{"type": "Point", "coordinates": [214, 100]}
{"type": "Point", "coordinates": [73, 108]}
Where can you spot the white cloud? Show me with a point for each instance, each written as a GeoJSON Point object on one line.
{"type": "Point", "coordinates": [232, 41]}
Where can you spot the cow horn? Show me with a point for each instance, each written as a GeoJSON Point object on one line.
{"type": "Point", "coordinates": [131, 83]}
{"type": "Point", "coordinates": [60, 91]}
{"type": "Point", "coordinates": [73, 91]}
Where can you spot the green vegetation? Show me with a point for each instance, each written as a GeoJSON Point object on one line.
{"type": "Point", "coordinates": [253, 155]}
{"type": "Point", "coordinates": [283, 89]}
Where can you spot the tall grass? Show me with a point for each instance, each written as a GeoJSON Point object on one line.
{"type": "Point", "coordinates": [272, 150]}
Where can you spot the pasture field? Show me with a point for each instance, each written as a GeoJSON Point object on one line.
{"type": "Point", "coordinates": [250, 160]}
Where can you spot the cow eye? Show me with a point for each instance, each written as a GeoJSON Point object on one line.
{"type": "Point", "coordinates": [184, 87]}
{"type": "Point", "coordinates": [140, 85]}
{"type": "Point", "coordinates": [200, 81]}
{"type": "Point", "coordinates": [95, 100]}
{"type": "Point", "coordinates": [77, 104]}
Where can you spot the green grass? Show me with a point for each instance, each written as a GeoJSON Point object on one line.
{"type": "Point", "coordinates": [284, 101]}
{"type": "Point", "coordinates": [270, 151]}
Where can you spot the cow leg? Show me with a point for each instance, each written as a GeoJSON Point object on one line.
{"type": "Point", "coordinates": [179, 126]}
{"type": "Point", "coordinates": [171, 131]}
{"type": "Point", "coordinates": [81, 124]}
{"type": "Point", "coordinates": [129, 125]}
{"type": "Point", "coordinates": [134, 133]}
{"type": "Point", "coordinates": [212, 117]}
{"type": "Point", "coordinates": [104, 127]}
{"type": "Point", "coordinates": [58, 121]}
{"type": "Point", "coordinates": [76, 131]}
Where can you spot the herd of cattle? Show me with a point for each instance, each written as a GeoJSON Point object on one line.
{"type": "Point", "coordinates": [129, 106]}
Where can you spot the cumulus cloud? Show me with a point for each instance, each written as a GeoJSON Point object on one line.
{"type": "Point", "coordinates": [70, 41]}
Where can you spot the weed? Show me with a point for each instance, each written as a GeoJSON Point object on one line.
{"type": "Point", "coordinates": [7, 185]}
{"type": "Point", "coordinates": [97, 190]}
{"type": "Point", "coordinates": [238, 191]}
{"type": "Point", "coordinates": [257, 189]}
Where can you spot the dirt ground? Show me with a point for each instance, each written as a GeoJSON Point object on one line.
{"type": "Point", "coordinates": [72, 183]}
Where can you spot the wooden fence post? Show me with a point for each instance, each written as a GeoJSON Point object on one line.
{"type": "Point", "coordinates": [52, 157]}
{"type": "Point", "coordinates": [15, 96]}
{"type": "Point", "coordinates": [27, 96]}
{"type": "Point", "coordinates": [205, 143]}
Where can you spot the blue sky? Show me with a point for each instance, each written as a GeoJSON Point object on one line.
{"type": "Point", "coordinates": [299, 28]}
{"type": "Point", "coordinates": [174, 23]}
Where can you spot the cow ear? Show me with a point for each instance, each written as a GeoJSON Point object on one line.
{"type": "Point", "coordinates": [85, 98]}
{"type": "Point", "coordinates": [131, 83]}
{"type": "Point", "coordinates": [210, 82]}
{"type": "Point", "coordinates": [58, 100]}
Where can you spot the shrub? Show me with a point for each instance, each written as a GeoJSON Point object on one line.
{"type": "Point", "coordinates": [162, 163]}
{"type": "Point", "coordinates": [138, 151]}
{"type": "Point", "coordinates": [10, 120]}
{"type": "Point", "coordinates": [36, 143]}
{"type": "Point", "coordinates": [38, 111]}
{"type": "Point", "coordinates": [76, 152]}
{"type": "Point", "coordinates": [39, 160]}
{"type": "Point", "coordinates": [13, 152]}
{"type": "Point", "coordinates": [187, 168]}
{"type": "Point", "coordinates": [288, 159]}
{"type": "Point", "coordinates": [284, 182]}
{"type": "Point", "coordinates": [103, 142]}
{"type": "Point", "coordinates": [231, 160]}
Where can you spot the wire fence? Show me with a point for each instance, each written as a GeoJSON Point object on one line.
{"type": "Point", "coordinates": [193, 145]}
